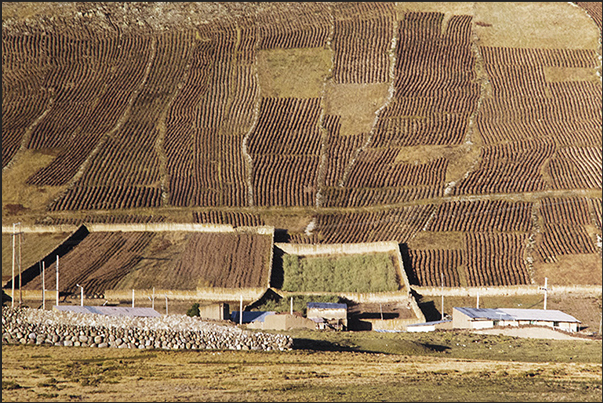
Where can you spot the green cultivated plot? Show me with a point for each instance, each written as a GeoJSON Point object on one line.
{"type": "Point", "coordinates": [362, 273]}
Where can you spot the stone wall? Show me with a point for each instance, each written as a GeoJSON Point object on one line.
{"type": "Point", "coordinates": [594, 290]}
{"type": "Point", "coordinates": [174, 332]}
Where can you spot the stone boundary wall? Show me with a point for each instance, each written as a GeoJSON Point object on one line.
{"type": "Point", "coordinates": [392, 324]}
{"type": "Point", "coordinates": [40, 228]}
{"type": "Point", "coordinates": [149, 227]}
{"type": "Point", "coordinates": [338, 248]}
{"type": "Point", "coordinates": [172, 332]}
{"type": "Point", "coordinates": [508, 290]}
{"type": "Point", "coordinates": [200, 294]}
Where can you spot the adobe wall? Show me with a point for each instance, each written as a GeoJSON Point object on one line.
{"type": "Point", "coordinates": [507, 290]}
{"type": "Point", "coordinates": [339, 248]}
{"type": "Point", "coordinates": [392, 324]}
{"type": "Point", "coordinates": [143, 227]}
{"type": "Point", "coordinates": [200, 294]}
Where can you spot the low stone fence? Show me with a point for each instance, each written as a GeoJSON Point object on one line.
{"type": "Point", "coordinates": [215, 294]}
{"type": "Point", "coordinates": [507, 290]}
{"type": "Point", "coordinates": [174, 332]}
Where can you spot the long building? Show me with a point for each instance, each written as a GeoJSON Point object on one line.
{"type": "Point", "coordinates": [480, 318]}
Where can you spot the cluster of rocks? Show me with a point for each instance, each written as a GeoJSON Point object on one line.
{"type": "Point", "coordinates": [37, 326]}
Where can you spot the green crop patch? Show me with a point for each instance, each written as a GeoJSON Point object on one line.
{"type": "Point", "coordinates": [355, 273]}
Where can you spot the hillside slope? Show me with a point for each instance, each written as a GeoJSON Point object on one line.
{"type": "Point", "coordinates": [469, 133]}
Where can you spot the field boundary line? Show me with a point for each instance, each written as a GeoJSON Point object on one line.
{"type": "Point", "coordinates": [507, 290]}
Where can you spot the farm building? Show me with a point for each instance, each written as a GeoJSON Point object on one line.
{"type": "Point", "coordinates": [327, 314]}
{"type": "Point", "coordinates": [480, 318]}
{"type": "Point", "coordinates": [250, 317]}
{"type": "Point", "coordinates": [108, 310]}
{"type": "Point", "coordinates": [220, 311]}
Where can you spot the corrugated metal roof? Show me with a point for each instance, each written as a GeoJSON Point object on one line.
{"type": "Point", "coordinates": [548, 315]}
{"type": "Point", "coordinates": [485, 313]}
{"type": "Point", "coordinates": [326, 305]}
{"type": "Point", "coordinates": [109, 310]}
{"type": "Point", "coordinates": [251, 316]}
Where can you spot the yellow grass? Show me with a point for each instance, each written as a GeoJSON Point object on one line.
{"type": "Point", "coordinates": [356, 104]}
{"type": "Point", "coordinates": [16, 191]}
{"type": "Point", "coordinates": [554, 74]}
{"type": "Point", "coordinates": [570, 270]}
{"type": "Point", "coordinates": [552, 25]}
{"type": "Point", "coordinates": [298, 73]}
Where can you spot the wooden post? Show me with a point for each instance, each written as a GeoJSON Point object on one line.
{"type": "Point", "coordinates": [545, 291]}
{"type": "Point", "coordinates": [57, 280]}
{"type": "Point", "coordinates": [166, 305]}
{"type": "Point", "coordinates": [153, 299]}
{"type": "Point", "coordinates": [12, 295]}
{"type": "Point", "coordinates": [477, 299]}
{"type": "Point", "coordinates": [442, 282]}
{"type": "Point", "coordinates": [81, 295]}
{"type": "Point", "coordinates": [291, 306]}
{"type": "Point", "coordinates": [132, 298]}
{"type": "Point", "coordinates": [20, 288]}
{"type": "Point", "coordinates": [43, 288]}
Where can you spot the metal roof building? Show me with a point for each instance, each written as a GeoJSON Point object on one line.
{"type": "Point", "coordinates": [479, 318]}
{"type": "Point", "coordinates": [108, 310]}
{"type": "Point", "coordinates": [250, 316]}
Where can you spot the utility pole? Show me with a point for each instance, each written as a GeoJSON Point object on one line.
{"type": "Point", "coordinates": [43, 288]}
{"type": "Point", "coordinates": [442, 286]}
{"type": "Point", "coordinates": [241, 311]}
{"type": "Point", "coordinates": [12, 295]}
{"type": "Point", "coordinates": [12, 303]}
{"type": "Point", "coordinates": [57, 280]}
{"type": "Point", "coordinates": [132, 298]}
{"type": "Point", "coordinates": [153, 299]}
{"type": "Point", "coordinates": [20, 288]}
{"type": "Point", "coordinates": [545, 289]}
{"type": "Point", "coordinates": [81, 294]}
{"type": "Point", "coordinates": [166, 305]}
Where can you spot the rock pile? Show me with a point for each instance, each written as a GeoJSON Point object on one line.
{"type": "Point", "coordinates": [37, 326]}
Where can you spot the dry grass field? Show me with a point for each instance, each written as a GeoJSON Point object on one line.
{"type": "Point", "coordinates": [323, 366]}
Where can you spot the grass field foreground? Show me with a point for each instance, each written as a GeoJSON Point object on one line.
{"type": "Point", "coordinates": [325, 366]}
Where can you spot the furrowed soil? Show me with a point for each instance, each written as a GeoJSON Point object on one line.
{"type": "Point", "coordinates": [323, 366]}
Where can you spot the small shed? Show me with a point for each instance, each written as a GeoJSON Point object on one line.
{"type": "Point", "coordinates": [328, 314]}
{"type": "Point", "coordinates": [108, 310]}
{"type": "Point", "coordinates": [219, 311]}
{"type": "Point", "coordinates": [480, 318]}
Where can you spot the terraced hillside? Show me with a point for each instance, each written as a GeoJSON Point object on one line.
{"type": "Point", "coordinates": [468, 133]}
